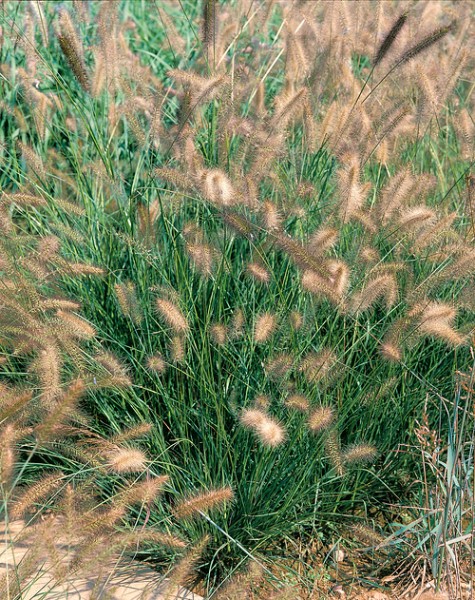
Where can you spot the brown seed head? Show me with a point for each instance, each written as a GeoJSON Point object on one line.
{"type": "Point", "coordinates": [258, 272]}
{"type": "Point", "coordinates": [177, 349]}
{"type": "Point", "coordinates": [126, 460]}
{"type": "Point", "coordinates": [157, 364]}
{"type": "Point", "coordinates": [279, 366]}
{"type": "Point", "coordinates": [77, 326]}
{"type": "Point", "coordinates": [202, 256]}
{"type": "Point", "coordinates": [296, 320]}
{"type": "Point", "coordinates": [217, 187]}
{"type": "Point", "coordinates": [144, 492]}
{"type": "Point", "coordinates": [269, 431]}
{"type": "Point", "coordinates": [391, 352]}
{"type": "Point", "coordinates": [271, 216]}
{"type": "Point", "coordinates": [237, 323]}
{"type": "Point", "coordinates": [297, 402]}
{"type": "Point", "coordinates": [264, 327]}
{"type": "Point", "coordinates": [219, 333]}
{"type": "Point", "coordinates": [321, 418]}
{"type": "Point", "coordinates": [191, 507]}
{"type": "Point", "coordinates": [172, 315]}
{"type": "Point", "coordinates": [359, 453]}
{"type": "Point", "coordinates": [261, 402]}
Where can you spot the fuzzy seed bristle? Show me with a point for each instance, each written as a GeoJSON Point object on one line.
{"type": "Point", "coordinates": [352, 192]}
{"type": "Point", "coordinates": [77, 326]}
{"type": "Point", "coordinates": [144, 492]}
{"type": "Point", "coordinates": [425, 43]}
{"type": "Point", "coordinates": [117, 373]}
{"type": "Point", "coordinates": [72, 48]}
{"type": "Point", "coordinates": [258, 272]}
{"type": "Point", "coordinates": [383, 287]}
{"type": "Point", "coordinates": [437, 319]}
{"type": "Point", "coordinates": [269, 431]}
{"type": "Point", "coordinates": [359, 453]}
{"type": "Point", "coordinates": [322, 240]}
{"type": "Point", "coordinates": [126, 460]}
{"type": "Point", "coordinates": [9, 435]}
{"type": "Point", "coordinates": [62, 411]}
{"type": "Point", "coordinates": [133, 433]}
{"type": "Point", "coordinates": [367, 535]}
{"type": "Point", "coordinates": [148, 536]}
{"type": "Point", "coordinates": [296, 320]}
{"type": "Point", "coordinates": [321, 418]}
{"type": "Point", "coordinates": [219, 333]}
{"type": "Point", "coordinates": [177, 349]}
{"type": "Point", "coordinates": [261, 402]}
{"type": "Point", "coordinates": [264, 327]}
{"type": "Point", "coordinates": [237, 323]}
{"type": "Point", "coordinates": [60, 303]}
{"type": "Point", "coordinates": [316, 366]}
{"type": "Point", "coordinates": [279, 366]}
{"type": "Point", "coordinates": [391, 352]}
{"type": "Point", "coordinates": [182, 571]}
{"type": "Point", "coordinates": [415, 218]}
{"type": "Point", "coordinates": [297, 402]}
{"type": "Point", "coordinates": [191, 507]}
{"type": "Point", "coordinates": [49, 364]}
{"type": "Point", "coordinates": [217, 187]}
{"type": "Point", "coordinates": [271, 216]}
{"type": "Point", "coordinates": [157, 364]}
{"type": "Point", "coordinates": [83, 269]}
{"type": "Point", "coordinates": [339, 276]}
{"type": "Point", "coordinates": [369, 255]}
{"type": "Point", "coordinates": [314, 283]}
{"type": "Point", "coordinates": [22, 199]}
{"type": "Point", "coordinates": [202, 257]}
{"type": "Point", "coordinates": [333, 448]}
{"type": "Point", "coordinates": [35, 492]}
{"type": "Point", "coordinates": [390, 38]}
{"type": "Point", "coordinates": [172, 315]}
{"type": "Point", "coordinates": [128, 302]}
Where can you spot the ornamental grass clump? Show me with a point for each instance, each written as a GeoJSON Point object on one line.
{"type": "Point", "coordinates": [249, 225]}
{"type": "Point", "coordinates": [75, 496]}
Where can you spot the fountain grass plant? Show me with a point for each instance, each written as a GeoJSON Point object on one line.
{"type": "Point", "coordinates": [276, 196]}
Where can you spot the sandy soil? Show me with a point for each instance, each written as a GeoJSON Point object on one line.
{"type": "Point", "coordinates": [129, 580]}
